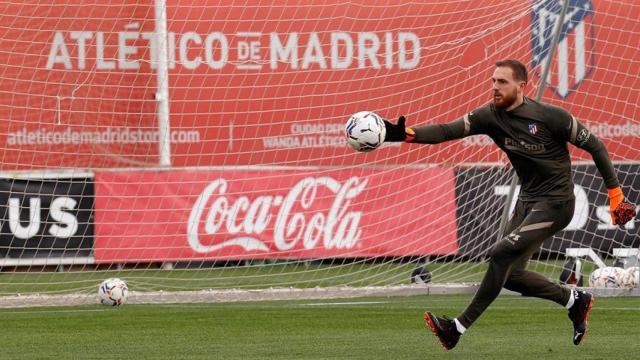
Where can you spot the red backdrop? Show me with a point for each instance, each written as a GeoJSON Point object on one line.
{"type": "Point", "coordinates": [274, 84]}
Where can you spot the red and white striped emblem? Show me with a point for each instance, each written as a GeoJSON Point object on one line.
{"type": "Point", "coordinates": [573, 58]}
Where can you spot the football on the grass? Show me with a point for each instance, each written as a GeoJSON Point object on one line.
{"type": "Point", "coordinates": [606, 277]}
{"type": "Point", "coordinates": [113, 292]}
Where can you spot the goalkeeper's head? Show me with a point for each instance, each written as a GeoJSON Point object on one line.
{"type": "Point", "coordinates": [509, 81]}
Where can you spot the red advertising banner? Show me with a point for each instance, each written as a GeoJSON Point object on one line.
{"type": "Point", "coordinates": [273, 84]}
{"type": "Point", "coordinates": [73, 92]}
{"type": "Point", "coordinates": [191, 215]}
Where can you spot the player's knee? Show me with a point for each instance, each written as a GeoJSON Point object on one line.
{"type": "Point", "coordinates": [497, 256]}
{"type": "Point", "coordinates": [500, 253]}
{"type": "Point", "coordinates": [517, 276]}
{"type": "Point", "coordinates": [516, 285]}
{"type": "Point", "coordinates": [516, 281]}
{"type": "Point", "coordinates": [495, 251]}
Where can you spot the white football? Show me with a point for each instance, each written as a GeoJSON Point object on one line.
{"type": "Point", "coordinates": [113, 292]}
{"type": "Point", "coordinates": [606, 277]}
{"type": "Point", "coordinates": [365, 131]}
{"type": "Point", "coordinates": [631, 277]}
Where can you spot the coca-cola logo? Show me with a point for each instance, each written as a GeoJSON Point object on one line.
{"type": "Point", "coordinates": [295, 219]}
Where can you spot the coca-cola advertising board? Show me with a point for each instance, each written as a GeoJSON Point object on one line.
{"type": "Point", "coordinates": [238, 214]}
{"type": "Point", "coordinates": [274, 84]}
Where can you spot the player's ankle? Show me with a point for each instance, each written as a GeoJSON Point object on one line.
{"type": "Point", "coordinates": [461, 329]}
{"type": "Point", "coordinates": [572, 299]}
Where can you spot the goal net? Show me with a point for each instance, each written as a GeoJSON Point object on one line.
{"type": "Point", "coordinates": [195, 146]}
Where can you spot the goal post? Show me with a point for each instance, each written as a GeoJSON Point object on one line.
{"type": "Point", "coordinates": [196, 147]}
{"type": "Point", "coordinates": [162, 80]}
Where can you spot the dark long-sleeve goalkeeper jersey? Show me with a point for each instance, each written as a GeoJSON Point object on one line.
{"type": "Point", "coordinates": [534, 136]}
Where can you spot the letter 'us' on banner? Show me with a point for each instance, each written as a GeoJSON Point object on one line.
{"type": "Point", "coordinates": [198, 215]}
{"type": "Point", "coordinates": [46, 218]}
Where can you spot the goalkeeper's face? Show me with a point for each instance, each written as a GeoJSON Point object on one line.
{"type": "Point", "coordinates": [506, 90]}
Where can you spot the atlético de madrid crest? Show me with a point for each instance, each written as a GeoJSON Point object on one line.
{"type": "Point", "coordinates": [573, 59]}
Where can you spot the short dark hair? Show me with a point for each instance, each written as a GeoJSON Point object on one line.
{"type": "Point", "coordinates": [518, 68]}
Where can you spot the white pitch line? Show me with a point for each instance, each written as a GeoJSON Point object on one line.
{"type": "Point", "coordinates": [345, 303]}
{"type": "Point", "coordinates": [49, 311]}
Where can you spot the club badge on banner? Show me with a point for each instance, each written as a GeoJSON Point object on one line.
{"type": "Point", "coordinates": [188, 215]}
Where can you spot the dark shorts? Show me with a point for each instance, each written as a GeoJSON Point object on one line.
{"type": "Point", "coordinates": [530, 225]}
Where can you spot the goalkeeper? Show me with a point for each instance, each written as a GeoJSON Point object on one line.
{"type": "Point", "coordinates": [534, 137]}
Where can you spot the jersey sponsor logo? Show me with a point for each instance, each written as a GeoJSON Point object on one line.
{"type": "Point", "coordinates": [573, 59]}
{"type": "Point", "coordinates": [533, 128]}
{"type": "Point", "coordinates": [522, 146]}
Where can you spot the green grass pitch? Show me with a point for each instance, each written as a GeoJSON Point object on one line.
{"type": "Point", "coordinates": [362, 328]}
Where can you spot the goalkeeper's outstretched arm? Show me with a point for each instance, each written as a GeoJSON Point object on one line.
{"type": "Point", "coordinates": [428, 134]}
{"type": "Point", "coordinates": [620, 210]}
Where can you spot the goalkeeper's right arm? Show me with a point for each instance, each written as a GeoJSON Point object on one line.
{"type": "Point", "coordinates": [428, 134]}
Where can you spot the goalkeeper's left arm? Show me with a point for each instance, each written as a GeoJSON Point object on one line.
{"type": "Point", "coordinates": [428, 134]}
{"type": "Point", "coordinates": [620, 210]}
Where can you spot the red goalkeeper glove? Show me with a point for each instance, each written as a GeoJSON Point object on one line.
{"type": "Point", "coordinates": [620, 210]}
